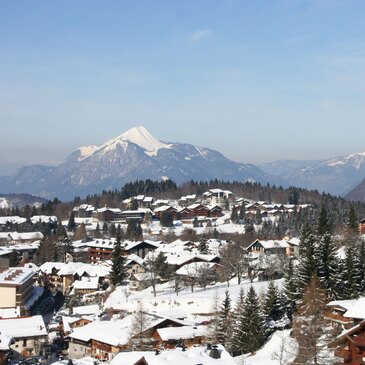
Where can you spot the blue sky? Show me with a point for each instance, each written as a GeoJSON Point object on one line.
{"type": "Point", "coordinates": [256, 80]}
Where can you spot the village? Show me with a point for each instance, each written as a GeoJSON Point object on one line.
{"type": "Point", "coordinates": [177, 270]}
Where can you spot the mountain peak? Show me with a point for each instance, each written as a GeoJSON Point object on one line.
{"type": "Point", "coordinates": [143, 138]}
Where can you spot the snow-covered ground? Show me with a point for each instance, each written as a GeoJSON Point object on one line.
{"type": "Point", "coordinates": [280, 349]}
{"type": "Point", "coordinates": [199, 302]}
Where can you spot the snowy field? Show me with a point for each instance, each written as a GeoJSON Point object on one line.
{"type": "Point", "coordinates": [199, 302]}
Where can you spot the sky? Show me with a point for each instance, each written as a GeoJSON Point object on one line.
{"type": "Point", "coordinates": [257, 80]}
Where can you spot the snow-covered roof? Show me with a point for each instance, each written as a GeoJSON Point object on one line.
{"type": "Point", "coordinates": [194, 355]}
{"type": "Point", "coordinates": [10, 312]}
{"type": "Point", "coordinates": [86, 309]}
{"type": "Point", "coordinates": [134, 258]}
{"type": "Point", "coordinates": [87, 283]}
{"type": "Point", "coordinates": [184, 332]}
{"type": "Point", "coordinates": [47, 267]}
{"type": "Point", "coordinates": [105, 209]}
{"type": "Point", "coordinates": [15, 276]}
{"type": "Point", "coordinates": [12, 219]}
{"type": "Point", "coordinates": [163, 208]}
{"type": "Point", "coordinates": [16, 236]}
{"type": "Point", "coordinates": [194, 268]}
{"type": "Point", "coordinates": [345, 304]}
{"type": "Point", "coordinates": [114, 332]}
{"type": "Point", "coordinates": [271, 244]}
{"type": "Point", "coordinates": [23, 327]}
{"type": "Point", "coordinates": [43, 219]}
{"type": "Point", "coordinates": [5, 342]}
{"type": "Point", "coordinates": [357, 310]}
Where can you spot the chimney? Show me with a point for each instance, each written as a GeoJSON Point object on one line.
{"type": "Point", "coordinates": [215, 353]}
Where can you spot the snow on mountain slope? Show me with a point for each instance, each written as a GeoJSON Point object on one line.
{"type": "Point", "coordinates": [133, 155]}
{"type": "Point", "coordinates": [137, 135]}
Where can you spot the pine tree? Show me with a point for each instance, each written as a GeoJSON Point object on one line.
{"type": "Point", "coordinates": [242, 214]}
{"type": "Point", "coordinates": [251, 324]}
{"type": "Point", "coordinates": [134, 230]}
{"type": "Point", "coordinates": [97, 233]}
{"type": "Point", "coordinates": [352, 222]}
{"type": "Point", "coordinates": [234, 215]}
{"type": "Point", "coordinates": [327, 271]}
{"type": "Point", "coordinates": [113, 230]}
{"type": "Point", "coordinates": [119, 272]}
{"type": "Point", "coordinates": [350, 275]}
{"type": "Point", "coordinates": [225, 329]}
{"type": "Point", "coordinates": [237, 335]}
{"type": "Point", "coordinates": [203, 246]}
{"type": "Point", "coordinates": [272, 306]}
{"type": "Point", "coordinates": [71, 222]}
{"type": "Point", "coordinates": [361, 262]}
{"type": "Point", "coordinates": [290, 288]}
{"type": "Point", "coordinates": [323, 223]}
{"type": "Point", "coordinates": [307, 266]}
{"type": "Point", "coordinates": [166, 219]}
{"type": "Point", "coordinates": [105, 228]}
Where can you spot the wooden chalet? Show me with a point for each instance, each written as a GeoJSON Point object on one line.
{"type": "Point", "coordinates": [350, 345]}
{"type": "Point", "coordinates": [199, 210]}
{"type": "Point", "coordinates": [269, 247]}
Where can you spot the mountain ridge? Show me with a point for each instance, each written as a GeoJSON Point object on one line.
{"type": "Point", "coordinates": [134, 154]}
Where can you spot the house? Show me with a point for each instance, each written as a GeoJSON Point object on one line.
{"type": "Point", "coordinates": [139, 281]}
{"type": "Point", "coordinates": [166, 209]}
{"type": "Point", "coordinates": [141, 215]}
{"type": "Point", "coordinates": [199, 210]}
{"type": "Point", "coordinates": [336, 311]}
{"type": "Point", "coordinates": [188, 336]}
{"type": "Point", "coordinates": [135, 265]}
{"type": "Point", "coordinates": [29, 334]}
{"type": "Point", "coordinates": [141, 248]}
{"type": "Point", "coordinates": [107, 214]}
{"type": "Point", "coordinates": [5, 342]}
{"type": "Point", "coordinates": [269, 247]}
{"type": "Point", "coordinates": [215, 211]}
{"type": "Point", "coordinates": [83, 211]}
{"type": "Point", "coordinates": [25, 237]}
{"type": "Point", "coordinates": [350, 345]}
{"type": "Point", "coordinates": [86, 285]}
{"type": "Point", "coordinates": [17, 289]}
{"type": "Point", "coordinates": [184, 214]}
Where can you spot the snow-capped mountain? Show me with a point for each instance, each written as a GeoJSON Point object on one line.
{"type": "Point", "coordinates": [336, 176]}
{"type": "Point", "coordinates": [135, 154]}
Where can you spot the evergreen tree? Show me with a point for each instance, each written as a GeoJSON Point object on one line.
{"type": "Point", "coordinates": [71, 222]}
{"type": "Point", "coordinates": [119, 272]}
{"type": "Point", "coordinates": [272, 306]}
{"type": "Point", "coordinates": [203, 246]}
{"type": "Point", "coordinates": [251, 324]}
{"type": "Point", "coordinates": [14, 258]}
{"type": "Point", "coordinates": [352, 222]}
{"type": "Point", "coordinates": [323, 223]}
{"type": "Point", "coordinates": [307, 266]}
{"type": "Point", "coordinates": [225, 328]}
{"type": "Point", "coordinates": [113, 230]}
{"type": "Point", "coordinates": [237, 335]}
{"type": "Point", "coordinates": [361, 262]}
{"type": "Point", "coordinates": [328, 265]}
{"type": "Point", "coordinates": [234, 215]}
{"type": "Point", "coordinates": [242, 214]}
{"type": "Point", "coordinates": [134, 230]}
{"type": "Point", "coordinates": [105, 228]}
{"type": "Point", "coordinates": [162, 267]}
{"type": "Point", "coordinates": [290, 288]}
{"type": "Point", "coordinates": [97, 233]}
{"type": "Point", "coordinates": [350, 275]}
{"type": "Point", "coordinates": [166, 219]}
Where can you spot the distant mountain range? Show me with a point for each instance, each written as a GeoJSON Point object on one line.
{"type": "Point", "coordinates": [136, 154]}
{"type": "Point", "coordinates": [19, 200]}
{"type": "Point", "coordinates": [337, 176]}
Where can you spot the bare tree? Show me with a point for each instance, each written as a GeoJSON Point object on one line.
{"type": "Point", "coordinates": [234, 261]}
{"type": "Point", "coordinates": [137, 327]}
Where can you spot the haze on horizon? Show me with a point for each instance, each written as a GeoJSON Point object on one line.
{"type": "Point", "coordinates": [257, 81]}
